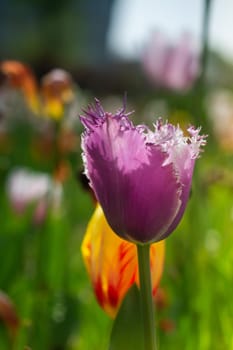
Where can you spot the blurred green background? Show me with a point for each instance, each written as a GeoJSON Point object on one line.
{"type": "Point", "coordinates": [46, 299]}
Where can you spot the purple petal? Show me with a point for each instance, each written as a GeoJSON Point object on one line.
{"type": "Point", "coordinates": [184, 165]}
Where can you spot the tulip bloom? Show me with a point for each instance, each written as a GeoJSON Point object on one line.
{"type": "Point", "coordinates": [25, 188]}
{"type": "Point", "coordinates": [220, 107]}
{"type": "Point", "coordinates": [20, 76]}
{"type": "Point", "coordinates": [173, 67]}
{"type": "Point", "coordinates": [57, 91]}
{"type": "Point", "coordinates": [8, 313]}
{"type": "Point", "coordinates": [141, 178]}
{"type": "Point", "coordinates": [51, 98]}
{"type": "Point", "coordinates": [112, 263]}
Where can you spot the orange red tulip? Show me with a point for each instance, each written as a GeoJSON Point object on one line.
{"type": "Point", "coordinates": [111, 263]}
{"type": "Point", "coordinates": [8, 313]}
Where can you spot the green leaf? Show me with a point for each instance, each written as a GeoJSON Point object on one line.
{"type": "Point", "coordinates": [127, 331]}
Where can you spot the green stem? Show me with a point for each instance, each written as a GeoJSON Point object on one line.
{"type": "Point", "coordinates": [147, 305]}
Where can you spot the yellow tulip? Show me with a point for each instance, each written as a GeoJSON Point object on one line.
{"type": "Point", "coordinates": [55, 92]}
{"type": "Point", "coordinates": [111, 263]}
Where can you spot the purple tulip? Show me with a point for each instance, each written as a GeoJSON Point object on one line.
{"type": "Point", "coordinates": [141, 178]}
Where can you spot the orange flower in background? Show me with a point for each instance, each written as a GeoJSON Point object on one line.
{"type": "Point", "coordinates": [8, 313]}
{"type": "Point", "coordinates": [19, 76]}
{"type": "Point", "coordinates": [56, 90]}
{"type": "Point", "coordinates": [111, 263]}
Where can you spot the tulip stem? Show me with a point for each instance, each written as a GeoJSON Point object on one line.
{"type": "Point", "coordinates": [147, 305]}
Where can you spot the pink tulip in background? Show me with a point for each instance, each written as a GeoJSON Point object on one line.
{"type": "Point", "coordinates": [171, 66]}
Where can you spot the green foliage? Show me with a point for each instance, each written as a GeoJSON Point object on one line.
{"type": "Point", "coordinates": [43, 273]}
{"type": "Point", "coordinates": [127, 332]}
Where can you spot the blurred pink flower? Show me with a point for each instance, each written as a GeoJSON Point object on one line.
{"type": "Point", "coordinates": [173, 67]}
{"type": "Point", "coordinates": [220, 107]}
{"type": "Point", "coordinates": [25, 187]}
